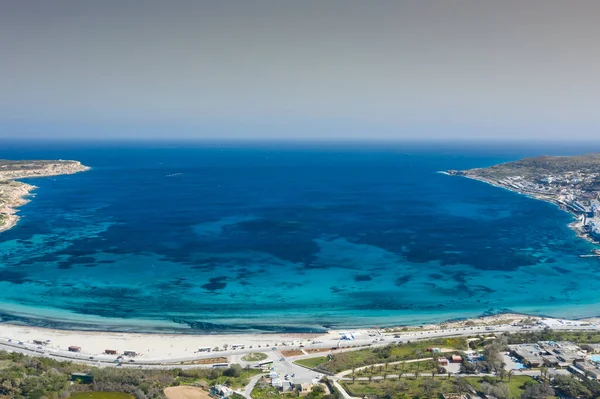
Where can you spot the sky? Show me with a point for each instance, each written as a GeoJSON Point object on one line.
{"type": "Point", "coordinates": [305, 69]}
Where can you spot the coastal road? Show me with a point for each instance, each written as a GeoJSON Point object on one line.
{"type": "Point", "coordinates": [273, 352]}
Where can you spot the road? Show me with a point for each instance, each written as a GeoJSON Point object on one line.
{"type": "Point", "coordinates": [283, 366]}
{"type": "Point", "coordinates": [273, 352]}
{"type": "Point", "coordinates": [250, 386]}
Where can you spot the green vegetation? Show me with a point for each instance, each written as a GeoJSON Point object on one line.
{"type": "Point", "coordinates": [579, 337]}
{"type": "Point", "coordinates": [254, 357]}
{"type": "Point", "coordinates": [426, 387]}
{"type": "Point", "coordinates": [312, 362]}
{"type": "Point", "coordinates": [391, 353]}
{"type": "Point", "coordinates": [234, 377]}
{"type": "Point", "coordinates": [262, 390]}
{"type": "Point", "coordinates": [426, 367]}
{"type": "Point", "coordinates": [516, 385]}
{"type": "Point", "coordinates": [25, 377]}
{"type": "Point", "coordinates": [100, 395]}
{"type": "Point", "coordinates": [402, 388]}
{"type": "Point", "coordinates": [574, 388]}
{"type": "Point", "coordinates": [542, 166]}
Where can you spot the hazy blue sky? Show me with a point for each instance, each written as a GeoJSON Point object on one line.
{"type": "Point", "coordinates": [300, 69]}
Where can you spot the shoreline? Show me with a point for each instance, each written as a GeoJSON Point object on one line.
{"type": "Point", "coordinates": [17, 191]}
{"type": "Point", "coordinates": [10, 210]}
{"type": "Point", "coordinates": [574, 225]}
{"type": "Point", "coordinates": [162, 345]}
{"type": "Point", "coordinates": [165, 348]}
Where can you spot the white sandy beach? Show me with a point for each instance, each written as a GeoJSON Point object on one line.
{"type": "Point", "coordinates": [162, 346]}
{"type": "Point", "coordinates": [150, 346]}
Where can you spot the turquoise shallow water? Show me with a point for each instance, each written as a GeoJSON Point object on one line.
{"type": "Point", "coordinates": [281, 237]}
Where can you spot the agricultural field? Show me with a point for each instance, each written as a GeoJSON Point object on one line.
{"type": "Point", "coordinates": [341, 361]}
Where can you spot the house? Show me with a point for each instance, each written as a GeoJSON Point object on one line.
{"type": "Point", "coordinates": [551, 361]}
{"type": "Point", "coordinates": [568, 355]}
{"type": "Point", "coordinates": [277, 383]}
{"type": "Point", "coordinates": [110, 351]}
{"type": "Point", "coordinates": [589, 369]}
{"type": "Point", "coordinates": [82, 378]}
{"type": "Point", "coordinates": [529, 354]}
{"type": "Point", "coordinates": [74, 349]}
{"type": "Point", "coordinates": [595, 347]}
{"type": "Point", "coordinates": [443, 361]}
{"type": "Point", "coordinates": [576, 371]}
{"type": "Point", "coordinates": [456, 359]}
{"type": "Point", "coordinates": [286, 387]}
{"type": "Point", "coordinates": [593, 374]}
{"type": "Point", "coordinates": [221, 391]}
{"type": "Point", "coordinates": [434, 350]}
{"type": "Point", "coordinates": [304, 389]}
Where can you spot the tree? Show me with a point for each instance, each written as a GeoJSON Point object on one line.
{"type": "Point", "coordinates": [499, 390]}
{"type": "Point", "coordinates": [510, 374]}
{"type": "Point", "coordinates": [318, 389]}
{"type": "Point", "coordinates": [429, 387]}
{"type": "Point", "coordinates": [502, 372]}
{"type": "Point", "coordinates": [316, 392]}
{"type": "Point", "coordinates": [401, 387]}
{"type": "Point", "coordinates": [462, 386]}
{"type": "Point", "coordinates": [401, 371]}
{"type": "Point", "coordinates": [537, 391]}
{"type": "Point", "coordinates": [234, 371]}
{"type": "Point", "coordinates": [467, 368]}
{"type": "Point", "coordinates": [570, 387]}
{"type": "Point", "coordinates": [370, 378]}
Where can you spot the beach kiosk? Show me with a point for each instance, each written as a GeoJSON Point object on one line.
{"type": "Point", "coordinates": [74, 348]}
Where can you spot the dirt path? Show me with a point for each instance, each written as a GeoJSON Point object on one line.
{"type": "Point", "coordinates": [185, 392]}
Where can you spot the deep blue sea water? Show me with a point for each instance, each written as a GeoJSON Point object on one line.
{"type": "Point", "coordinates": [204, 237]}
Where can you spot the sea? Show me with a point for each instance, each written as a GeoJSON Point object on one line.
{"type": "Point", "coordinates": [219, 237]}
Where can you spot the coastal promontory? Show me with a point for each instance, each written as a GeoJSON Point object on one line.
{"type": "Point", "coordinates": [571, 182]}
{"type": "Point", "coordinates": [13, 192]}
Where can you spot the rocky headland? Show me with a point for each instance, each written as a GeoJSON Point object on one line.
{"type": "Point", "coordinates": [13, 193]}
{"type": "Point", "coordinates": [570, 182]}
